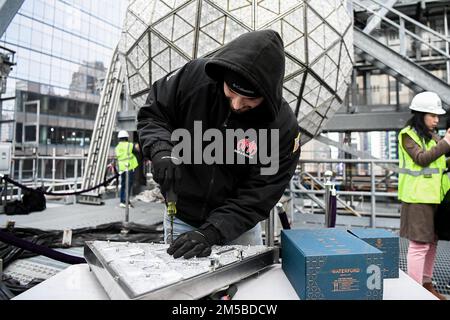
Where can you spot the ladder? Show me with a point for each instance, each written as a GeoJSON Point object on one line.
{"type": "Point", "coordinates": [105, 121]}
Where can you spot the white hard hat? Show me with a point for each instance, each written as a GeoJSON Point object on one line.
{"type": "Point", "coordinates": [123, 134]}
{"type": "Point", "coordinates": [428, 102]}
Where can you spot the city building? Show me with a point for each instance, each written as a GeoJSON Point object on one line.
{"type": "Point", "coordinates": [62, 50]}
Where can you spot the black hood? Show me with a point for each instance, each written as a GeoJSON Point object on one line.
{"type": "Point", "coordinates": [258, 56]}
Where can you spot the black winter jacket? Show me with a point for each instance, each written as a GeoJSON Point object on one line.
{"type": "Point", "coordinates": [231, 197]}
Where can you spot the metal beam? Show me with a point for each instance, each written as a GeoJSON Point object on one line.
{"type": "Point", "coordinates": [8, 9]}
{"type": "Point", "coordinates": [375, 20]}
{"type": "Point", "coordinates": [405, 68]}
{"type": "Point", "coordinates": [364, 122]}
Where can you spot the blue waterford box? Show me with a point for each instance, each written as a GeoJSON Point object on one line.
{"type": "Point", "coordinates": [331, 264]}
{"type": "Point", "coordinates": [386, 241]}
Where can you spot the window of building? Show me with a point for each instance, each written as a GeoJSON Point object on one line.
{"type": "Point", "coordinates": [30, 133]}
{"type": "Point", "coordinates": [50, 134]}
{"type": "Point", "coordinates": [76, 137]}
{"type": "Point", "coordinates": [91, 111]}
{"type": "Point", "coordinates": [19, 128]}
{"type": "Point", "coordinates": [87, 137]}
{"type": "Point", "coordinates": [56, 106]}
{"type": "Point", "coordinates": [74, 108]}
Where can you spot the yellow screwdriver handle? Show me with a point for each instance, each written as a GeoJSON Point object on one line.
{"type": "Point", "coordinates": [171, 209]}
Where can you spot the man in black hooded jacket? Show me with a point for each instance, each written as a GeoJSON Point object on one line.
{"type": "Point", "coordinates": [240, 87]}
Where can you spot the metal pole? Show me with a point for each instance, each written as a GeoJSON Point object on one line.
{"type": "Point", "coordinates": [127, 204]}
{"type": "Point", "coordinates": [397, 94]}
{"type": "Point", "coordinates": [327, 204]}
{"type": "Point", "coordinates": [328, 184]}
{"type": "Point", "coordinates": [75, 186]}
{"type": "Point", "coordinates": [65, 168]}
{"type": "Point", "coordinates": [1, 270]}
{"type": "Point", "coordinates": [418, 53]}
{"type": "Point", "coordinates": [354, 91]}
{"type": "Point", "coordinates": [402, 37]}
{"type": "Point", "coordinates": [6, 196]}
{"type": "Point", "coordinates": [42, 170]}
{"type": "Point", "coordinates": [372, 196]}
{"type": "Point", "coordinates": [34, 172]}
{"type": "Point", "coordinates": [54, 166]}
{"type": "Point", "coordinates": [4, 199]}
{"type": "Point", "coordinates": [291, 205]}
{"type": "Point", "coordinates": [446, 43]}
{"type": "Point", "coordinates": [270, 229]}
{"type": "Point", "coordinates": [13, 168]}
{"type": "Point", "coordinates": [117, 187]}
{"type": "Point", "coordinates": [20, 177]}
{"type": "Point", "coordinates": [83, 160]}
{"type": "Point", "coordinates": [312, 188]}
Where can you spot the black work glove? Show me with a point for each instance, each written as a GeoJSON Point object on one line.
{"type": "Point", "coordinates": [195, 243]}
{"type": "Point", "coordinates": [166, 170]}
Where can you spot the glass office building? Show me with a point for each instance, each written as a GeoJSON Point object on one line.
{"type": "Point", "coordinates": [63, 49]}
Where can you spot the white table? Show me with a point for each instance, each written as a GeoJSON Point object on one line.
{"type": "Point", "coordinates": [78, 283]}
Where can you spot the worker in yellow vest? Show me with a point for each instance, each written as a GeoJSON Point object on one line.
{"type": "Point", "coordinates": [126, 161]}
{"type": "Point", "coordinates": [422, 184]}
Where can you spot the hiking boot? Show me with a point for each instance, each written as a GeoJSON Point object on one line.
{"type": "Point", "coordinates": [429, 287]}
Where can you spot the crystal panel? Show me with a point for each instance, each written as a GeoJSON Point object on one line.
{"type": "Point", "coordinates": [159, 36]}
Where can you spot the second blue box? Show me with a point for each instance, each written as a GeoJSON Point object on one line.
{"type": "Point", "coordinates": [387, 242]}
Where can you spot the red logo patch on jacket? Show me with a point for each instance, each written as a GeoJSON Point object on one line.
{"type": "Point", "coordinates": [246, 148]}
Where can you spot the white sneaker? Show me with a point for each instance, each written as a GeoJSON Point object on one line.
{"type": "Point", "coordinates": [123, 205]}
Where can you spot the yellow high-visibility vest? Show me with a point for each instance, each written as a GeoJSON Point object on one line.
{"type": "Point", "coordinates": [417, 184]}
{"type": "Point", "coordinates": [125, 156]}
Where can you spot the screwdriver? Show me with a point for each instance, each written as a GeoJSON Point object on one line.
{"type": "Point", "coordinates": [171, 209]}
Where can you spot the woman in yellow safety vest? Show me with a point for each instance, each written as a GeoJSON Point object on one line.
{"type": "Point", "coordinates": [422, 184]}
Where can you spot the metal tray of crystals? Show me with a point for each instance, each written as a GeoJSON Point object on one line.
{"type": "Point", "coordinates": [145, 270]}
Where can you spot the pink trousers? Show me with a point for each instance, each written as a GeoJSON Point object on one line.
{"type": "Point", "coordinates": [420, 260]}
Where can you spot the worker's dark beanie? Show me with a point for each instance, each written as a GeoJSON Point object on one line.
{"type": "Point", "coordinates": [239, 84]}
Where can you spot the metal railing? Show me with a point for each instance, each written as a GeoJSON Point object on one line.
{"type": "Point", "coordinates": [411, 33]}
{"type": "Point", "coordinates": [298, 187]}
{"type": "Point", "coordinates": [54, 173]}
{"type": "Point", "coordinates": [422, 33]}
